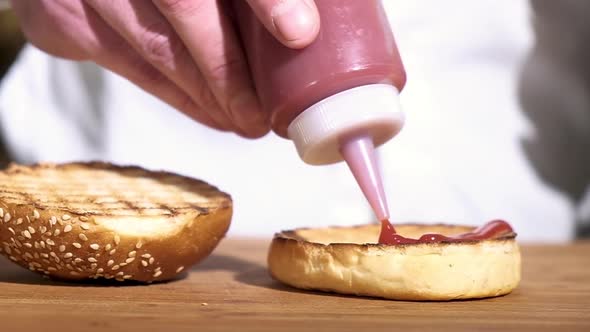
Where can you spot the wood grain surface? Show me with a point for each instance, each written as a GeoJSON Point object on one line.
{"type": "Point", "coordinates": [231, 291]}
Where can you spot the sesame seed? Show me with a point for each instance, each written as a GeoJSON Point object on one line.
{"type": "Point", "coordinates": [77, 245]}
{"type": "Point", "coordinates": [180, 269]}
{"type": "Point", "coordinates": [144, 263]}
{"type": "Point", "coordinates": [123, 264]}
{"type": "Point", "coordinates": [42, 229]}
{"type": "Point", "coordinates": [112, 252]}
{"type": "Point", "coordinates": [100, 270]}
{"type": "Point", "coordinates": [83, 237]}
{"type": "Point", "coordinates": [18, 251]}
{"type": "Point", "coordinates": [151, 260]}
{"type": "Point", "coordinates": [7, 217]}
{"type": "Point", "coordinates": [92, 260]}
{"type": "Point", "coordinates": [19, 221]}
{"type": "Point", "coordinates": [46, 261]}
{"type": "Point", "coordinates": [69, 267]}
{"type": "Point", "coordinates": [27, 234]}
{"type": "Point", "coordinates": [120, 273]}
{"type": "Point", "coordinates": [36, 214]}
{"type": "Point", "coordinates": [68, 255]}
{"type": "Point", "coordinates": [107, 247]}
{"type": "Point", "coordinates": [44, 255]}
{"type": "Point", "coordinates": [139, 245]}
{"type": "Point", "coordinates": [50, 242]}
{"type": "Point", "coordinates": [158, 268]}
{"type": "Point", "coordinates": [52, 221]}
{"type": "Point", "coordinates": [68, 228]}
{"type": "Point", "coordinates": [28, 255]}
{"type": "Point", "coordinates": [84, 227]}
{"type": "Point", "coordinates": [93, 266]}
{"type": "Point", "coordinates": [28, 220]}
{"type": "Point", "coordinates": [66, 217]}
{"type": "Point", "coordinates": [110, 262]}
{"type": "Point", "coordinates": [62, 248]}
{"type": "Point", "coordinates": [31, 230]}
{"type": "Point", "coordinates": [52, 254]}
{"type": "Point", "coordinates": [117, 239]}
{"type": "Point", "coordinates": [28, 245]}
{"type": "Point", "coordinates": [157, 274]}
{"type": "Point", "coordinates": [132, 254]}
{"type": "Point", "coordinates": [94, 246]}
{"type": "Point", "coordinates": [56, 259]}
{"type": "Point", "coordinates": [13, 258]}
{"type": "Point", "coordinates": [74, 273]}
{"type": "Point", "coordinates": [114, 268]}
{"type": "Point", "coordinates": [56, 232]}
{"type": "Point", "coordinates": [127, 276]}
{"type": "Point", "coordinates": [48, 234]}
{"type": "Point", "coordinates": [42, 243]}
{"type": "Point", "coordinates": [83, 218]}
{"type": "Point", "coordinates": [51, 268]}
{"type": "Point", "coordinates": [8, 250]}
{"type": "Point", "coordinates": [146, 255]}
{"type": "Point", "coordinates": [129, 260]}
{"type": "Point", "coordinates": [1, 212]}
{"type": "Point", "coordinates": [78, 260]}
{"type": "Point", "coordinates": [11, 230]}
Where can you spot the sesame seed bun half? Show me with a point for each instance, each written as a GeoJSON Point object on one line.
{"type": "Point", "coordinates": [96, 220]}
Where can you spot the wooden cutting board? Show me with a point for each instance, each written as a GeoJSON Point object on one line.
{"type": "Point", "coordinates": [231, 291]}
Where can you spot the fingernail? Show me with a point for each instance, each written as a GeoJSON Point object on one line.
{"type": "Point", "coordinates": [294, 19]}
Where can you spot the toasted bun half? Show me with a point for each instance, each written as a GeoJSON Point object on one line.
{"type": "Point", "coordinates": [96, 220]}
{"type": "Point", "coordinates": [346, 260]}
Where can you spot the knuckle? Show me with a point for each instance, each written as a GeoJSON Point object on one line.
{"type": "Point", "coordinates": [159, 46]}
{"type": "Point", "coordinates": [225, 69]}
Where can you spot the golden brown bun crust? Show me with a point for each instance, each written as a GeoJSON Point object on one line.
{"type": "Point", "coordinates": [97, 220]}
{"type": "Point", "coordinates": [347, 260]}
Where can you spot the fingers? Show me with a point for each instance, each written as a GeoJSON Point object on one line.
{"type": "Point", "coordinates": [295, 23]}
{"type": "Point", "coordinates": [48, 25]}
{"type": "Point", "coordinates": [209, 36]}
{"type": "Point", "coordinates": [153, 38]}
{"type": "Point", "coordinates": [131, 65]}
{"type": "Point", "coordinates": [72, 30]}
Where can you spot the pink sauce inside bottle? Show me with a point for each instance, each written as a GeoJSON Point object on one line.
{"type": "Point", "coordinates": [338, 98]}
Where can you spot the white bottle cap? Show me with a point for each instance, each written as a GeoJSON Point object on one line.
{"type": "Point", "coordinates": [373, 109]}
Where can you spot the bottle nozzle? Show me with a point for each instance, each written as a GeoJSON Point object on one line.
{"type": "Point", "coordinates": [359, 152]}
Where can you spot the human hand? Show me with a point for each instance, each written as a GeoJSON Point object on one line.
{"type": "Point", "coordinates": [185, 52]}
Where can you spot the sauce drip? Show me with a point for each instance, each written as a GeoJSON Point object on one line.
{"type": "Point", "coordinates": [487, 231]}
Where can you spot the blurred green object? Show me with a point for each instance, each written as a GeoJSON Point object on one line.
{"type": "Point", "coordinates": [11, 41]}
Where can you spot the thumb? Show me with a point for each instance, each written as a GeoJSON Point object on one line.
{"type": "Point", "coordinates": [295, 23]}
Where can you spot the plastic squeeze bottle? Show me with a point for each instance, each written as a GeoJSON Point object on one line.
{"type": "Point", "coordinates": [338, 98]}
